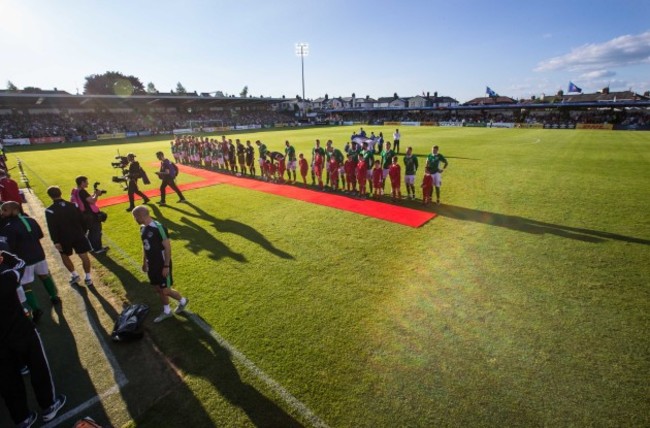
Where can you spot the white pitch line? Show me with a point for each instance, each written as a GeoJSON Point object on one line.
{"type": "Point", "coordinates": [288, 398]}
{"type": "Point", "coordinates": [292, 401]}
{"type": "Point", "coordinates": [83, 406]}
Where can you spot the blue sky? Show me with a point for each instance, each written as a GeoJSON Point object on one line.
{"type": "Point", "coordinates": [377, 48]}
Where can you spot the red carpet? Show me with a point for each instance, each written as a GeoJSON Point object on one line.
{"type": "Point", "coordinates": [381, 210]}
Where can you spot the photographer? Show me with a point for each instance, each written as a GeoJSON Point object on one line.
{"type": "Point", "coordinates": [134, 173]}
{"type": "Point", "coordinates": [87, 204]}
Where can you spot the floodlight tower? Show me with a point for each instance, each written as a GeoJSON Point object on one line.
{"type": "Point", "coordinates": [302, 50]}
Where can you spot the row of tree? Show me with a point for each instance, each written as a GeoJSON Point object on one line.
{"type": "Point", "coordinates": [116, 83]}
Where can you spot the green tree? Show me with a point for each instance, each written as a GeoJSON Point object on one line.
{"type": "Point", "coordinates": [244, 92]}
{"type": "Point", "coordinates": [11, 86]}
{"type": "Point", "coordinates": [113, 83]}
{"type": "Point", "coordinates": [180, 89]}
{"type": "Point", "coordinates": [151, 88]}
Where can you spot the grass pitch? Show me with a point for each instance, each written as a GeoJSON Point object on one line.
{"type": "Point", "coordinates": [525, 302]}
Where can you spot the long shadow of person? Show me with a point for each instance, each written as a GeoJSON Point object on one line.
{"type": "Point", "coordinates": [222, 373]}
{"type": "Point", "coordinates": [149, 376]}
{"type": "Point", "coordinates": [527, 225]}
{"type": "Point", "coordinates": [234, 227]}
{"type": "Point", "coordinates": [197, 239]}
{"type": "Point", "coordinates": [194, 352]}
{"type": "Point", "coordinates": [70, 374]}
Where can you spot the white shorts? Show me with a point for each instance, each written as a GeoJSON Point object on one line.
{"type": "Point", "coordinates": [341, 171]}
{"type": "Point", "coordinates": [409, 179]}
{"type": "Point", "coordinates": [369, 175]}
{"type": "Point", "coordinates": [261, 162]}
{"type": "Point", "coordinates": [220, 160]}
{"type": "Point", "coordinates": [39, 268]}
{"type": "Point", "coordinates": [385, 171]}
{"type": "Point", "coordinates": [291, 165]}
{"type": "Point", "coordinates": [437, 179]}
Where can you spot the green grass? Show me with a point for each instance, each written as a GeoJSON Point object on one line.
{"type": "Point", "coordinates": [525, 302]}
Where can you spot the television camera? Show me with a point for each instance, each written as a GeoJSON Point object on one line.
{"type": "Point", "coordinates": [121, 164]}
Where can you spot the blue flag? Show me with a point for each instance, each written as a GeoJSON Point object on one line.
{"type": "Point", "coordinates": [574, 88]}
{"type": "Point", "coordinates": [490, 92]}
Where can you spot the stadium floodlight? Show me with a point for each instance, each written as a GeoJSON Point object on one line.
{"type": "Point", "coordinates": [302, 50]}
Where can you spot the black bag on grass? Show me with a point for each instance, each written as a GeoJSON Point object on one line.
{"type": "Point", "coordinates": [129, 325]}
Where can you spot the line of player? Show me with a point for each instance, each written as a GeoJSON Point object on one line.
{"type": "Point", "coordinates": [357, 169]}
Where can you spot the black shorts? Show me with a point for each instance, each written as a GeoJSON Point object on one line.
{"type": "Point", "coordinates": [79, 244]}
{"type": "Point", "coordinates": [156, 278]}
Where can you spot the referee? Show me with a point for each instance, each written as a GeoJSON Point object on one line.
{"type": "Point", "coordinates": [20, 345]}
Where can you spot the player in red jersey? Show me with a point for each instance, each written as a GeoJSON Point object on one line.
{"type": "Point", "coordinates": [395, 174]}
{"type": "Point", "coordinates": [334, 173]}
{"type": "Point", "coordinates": [304, 167]}
{"type": "Point", "coordinates": [377, 179]}
{"type": "Point", "coordinates": [427, 187]}
{"type": "Point", "coordinates": [362, 176]}
{"type": "Point", "coordinates": [318, 168]}
{"type": "Point", "coordinates": [350, 174]}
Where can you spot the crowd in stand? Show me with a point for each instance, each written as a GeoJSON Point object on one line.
{"type": "Point", "coordinates": [70, 125]}
{"type": "Point", "coordinates": [540, 116]}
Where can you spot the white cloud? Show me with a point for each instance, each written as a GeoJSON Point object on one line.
{"type": "Point", "coordinates": [598, 74]}
{"type": "Point", "coordinates": [547, 36]}
{"type": "Point", "coordinates": [620, 51]}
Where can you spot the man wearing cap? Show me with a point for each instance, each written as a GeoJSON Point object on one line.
{"type": "Point", "coordinates": [135, 172]}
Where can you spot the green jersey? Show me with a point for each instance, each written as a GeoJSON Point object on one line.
{"type": "Point", "coordinates": [263, 151]}
{"type": "Point", "coordinates": [410, 165]}
{"type": "Point", "coordinates": [433, 162]}
{"type": "Point", "coordinates": [369, 157]}
{"type": "Point", "coordinates": [355, 154]}
{"type": "Point", "coordinates": [387, 158]}
{"type": "Point", "coordinates": [290, 153]}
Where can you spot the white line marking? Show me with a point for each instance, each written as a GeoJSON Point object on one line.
{"type": "Point", "coordinates": [292, 401]}
{"type": "Point", "coordinates": [536, 141]}
{"type": "Point", "coordinates": [288, 398]}
{"type": "Point", "coordinates": [83, 406]}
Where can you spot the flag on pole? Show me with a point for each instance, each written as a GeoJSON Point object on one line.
{"type": "Point", "coordinates": [574, 88]}
{"type": "Point", "coordinates": [490, 92]}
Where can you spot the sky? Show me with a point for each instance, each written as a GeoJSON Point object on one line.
{"type": "Point", "coordinates": [370, 48]}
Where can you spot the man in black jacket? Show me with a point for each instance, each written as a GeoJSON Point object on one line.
{"type": "Point", "coordinates": [20, 346]}
{"type": "Point", "coordinates": [67, 230]}
{"type": "Point", "coordinates": [135, 172]}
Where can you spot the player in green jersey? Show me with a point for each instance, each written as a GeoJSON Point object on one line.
{"type": "Point", "coordinates": [434, 162]}
{"type": "Point", "coordinates": [410, 169]}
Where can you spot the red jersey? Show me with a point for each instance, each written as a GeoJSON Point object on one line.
{"type": "Point", "coordinates": [362, 171]}
{"type": "Point", "coordinates": [318, 161]}
{"type": "Point", "coordinates": [304, 167]}
{"type": "Point", "coordinates": [395, 172]}
{"type": "Point", "coordinates": [334, 166]}
{"type": "Point", "coordinates": [9, 190]}
{"type": "Point", "coordinates": [348, 166]}
{"type": "Point", "coordinates": [377, 176]}
{"type": "Point", "coordinates": [427, 182]}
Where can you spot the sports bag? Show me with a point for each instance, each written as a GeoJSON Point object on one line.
{"type": "Point", "coordinates": [129, 325]}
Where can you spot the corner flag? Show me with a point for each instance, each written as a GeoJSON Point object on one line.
{"type": "Point", "coordinates": [574, 88]}
{"type": "Point", "coordinates": [490, 92]}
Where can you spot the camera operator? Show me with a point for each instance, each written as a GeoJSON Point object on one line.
{"type": "Point", "coordinates": [134, 173]}
{"type": "Point", "coordinates": [87, 204]}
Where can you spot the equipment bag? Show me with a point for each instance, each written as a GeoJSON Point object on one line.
{"type": "Point", "coordinates": [129, 325]}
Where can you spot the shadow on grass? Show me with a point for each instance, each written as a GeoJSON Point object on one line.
{"type": "Point", "coordinates": [198, 239]}
{"type": "Point", "coordinates": [191, 350]}
{"type": "Point", "coordinates": [231, 226]}
{"type": "Point", "coordinates": [528, 225]}
{"type": "Point", "coordinates": [70, 375]}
